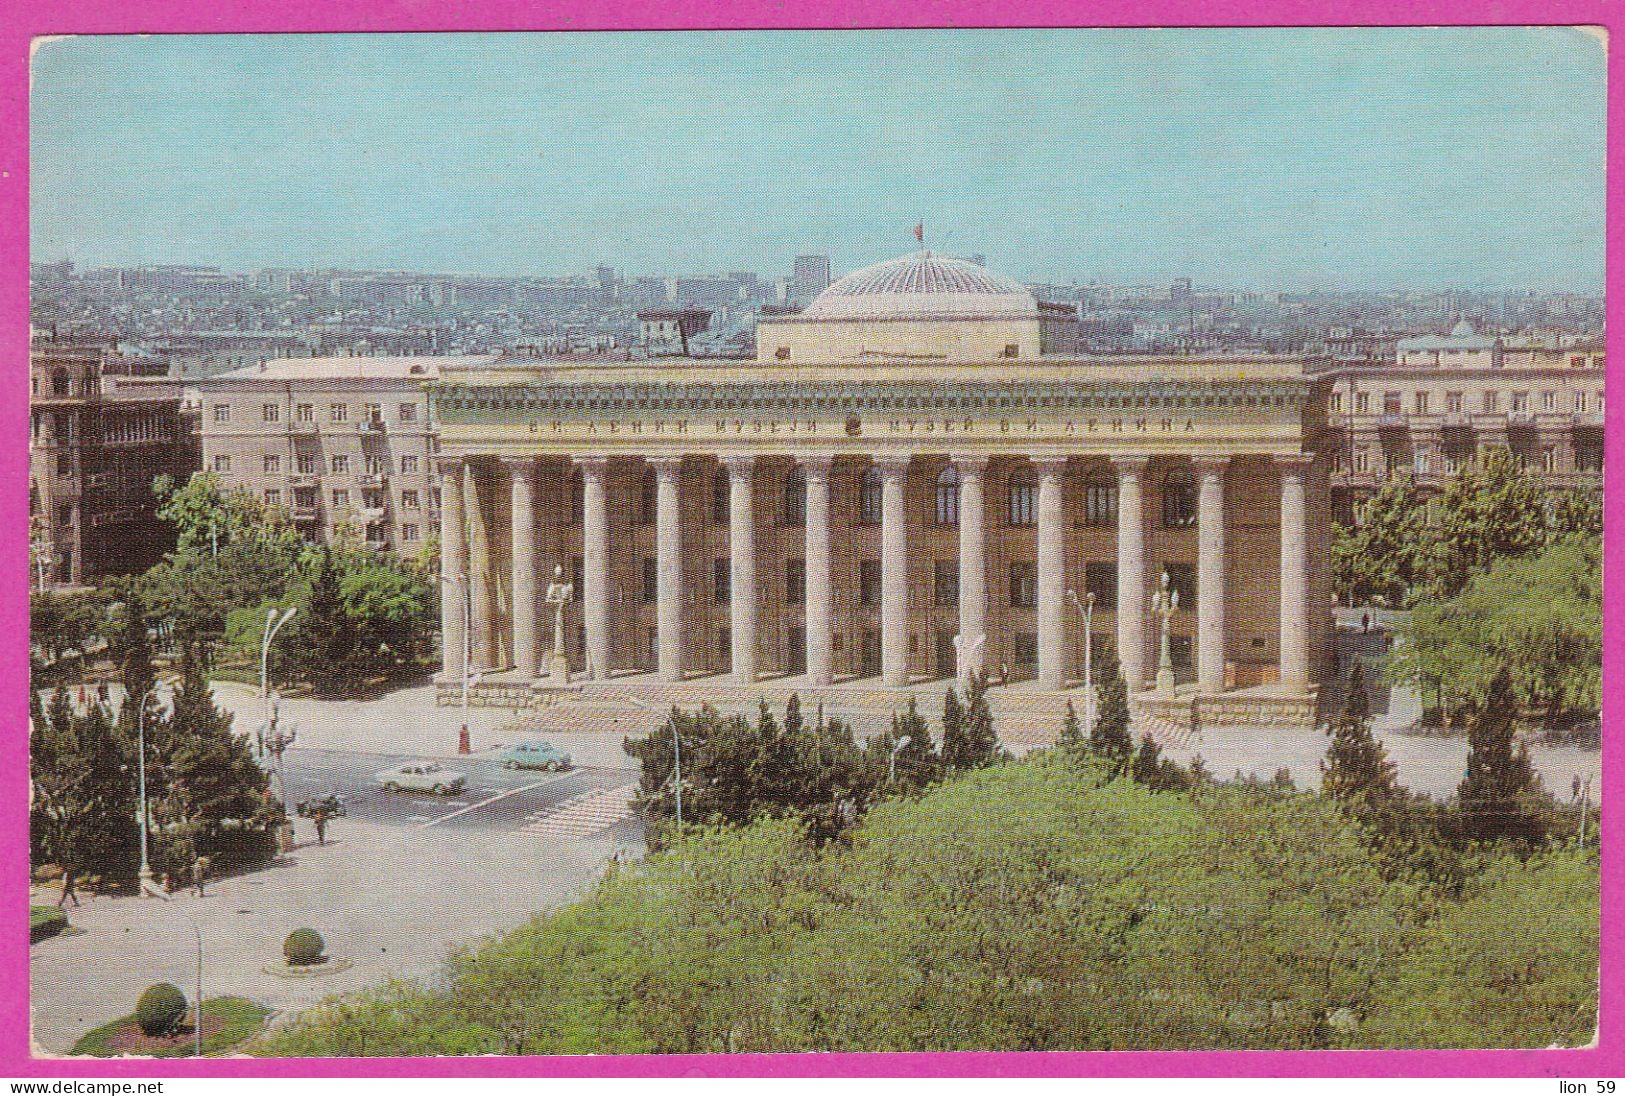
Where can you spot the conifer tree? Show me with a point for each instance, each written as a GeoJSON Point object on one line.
{"type": "Point", "coordinates": [1501, 795]}
{"type": "Point", "coordinates": [1070, 742]}
{"type": "Point", "coordinates": [1356, 771]}
{"type": "Point", "coordinates": [977, 744]}
{"type": "Point", "coordinates": [1110, 736]}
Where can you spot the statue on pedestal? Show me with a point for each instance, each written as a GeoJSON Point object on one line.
{"type": "Point", "coordinates": [559, 594]}
{"type": "Point", "coordinates": [1163, 603]}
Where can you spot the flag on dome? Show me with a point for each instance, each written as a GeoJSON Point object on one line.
{"type": "Point", "coordinates": [919, 231]}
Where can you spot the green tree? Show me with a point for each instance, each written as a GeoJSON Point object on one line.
{"type": "Point", "coordinates": [919, 764]}
{"type": "Point", "coordinates": [1501, 796]}
{"type": "Point", "coordinates": [976, 745]}
{"type": "Point", "coordinates": [1490, 509]}
{"type": "Point", "coordinates": [1356, 771]}
{"type": "Point", "coordinates": [83, 809]}
{"type": "Point", "coordinates": [1380, 559]}
{"type": "Point", "coordinates": [1538, 617]}
{"type": "Point", "coordinates": [1573, 512]}
{"type": "Point", "coordinates": [1110, 737]}
{"type": "Point", "coordinates": [207, 517]}
{"type": "Point", "coordinates": [325, 654]}
{"type": "Point", "coordinates": [1070, 742]}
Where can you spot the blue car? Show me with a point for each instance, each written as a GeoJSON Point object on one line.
{"type": "Point", "coordinates": [535, 755]}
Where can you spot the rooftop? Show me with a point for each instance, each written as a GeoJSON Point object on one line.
{"type": "Point", "coordinates": [922, 286]}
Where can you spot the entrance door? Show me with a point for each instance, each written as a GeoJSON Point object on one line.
{"type": "Point", "coordinates": [946, 662]}
{"type": "Point", "coordinates": [870, 661]}
{"type": "Point", "coordinates": [798, 650]}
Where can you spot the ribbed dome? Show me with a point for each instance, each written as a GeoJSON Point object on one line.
{"type": "Point", "coordinates": [922, 286]}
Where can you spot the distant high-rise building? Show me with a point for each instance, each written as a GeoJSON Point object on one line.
{"type": "Point", "coordinates": [810, 276]}
{"type": "Point", "coordinates": [1181, 290]}
{"type": "Point", "coordinates": [606, 279]}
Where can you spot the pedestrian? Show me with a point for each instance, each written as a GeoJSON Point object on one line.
{"type": "Point", "coordinates": [101, 693]}
{"type": "Point", "coordinates": [70, 879]}
{"type": "Point", "coordinates": [319, 816]}
{"type": "Point", "coordinates": [81, 696]}
{"type": "Point", "coordinates": [1365, 623]}
{"type": "Point", "coordinates": [200, 869]}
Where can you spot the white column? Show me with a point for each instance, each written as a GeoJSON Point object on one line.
{"type": "Point", "coordinates": [893, 573]}
{"type": "Point", "coordinates": [668, 566]}
{"type": "Point", "coordinates": [742, 566]}
{"type": "Point", "coordinates": [526, 622]}
{"type": "Point", "coordinates": [1051, 575]}
{"type": "Point", "coordinates": [1294, 575]}
{"type": "Point", "coordinates": [483, 599]}
{"type": "Point", "coordinates": [1131, 591]}
{"type": "Point", "coordinates": [1210, 569]}
{"type": "Point", "coordinates": [820, 593]}
{"type": "Point", "coordinates": [595, 562]}
{"type": "Point", "coordinates": [972, 567]}
{"type": "Point", "coordinates": [453, 569]}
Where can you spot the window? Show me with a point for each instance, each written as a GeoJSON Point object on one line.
{"type": "Point", "coordinates": [1023, 494]}
{"type": "Point", "coordinates": [1580, 402]}
{"type": "Point", "coordinates": [1548, 401]}
{"type": "Point", "coordinates": [409, 532]}
{"type": "Point", "coordinates": [795, 498]}
{"type": "Point", "coordinates": [306, 465]}
{"type": "Point", "coordinates": [1100, 579]}
{"type": "Point", "coordinates": [1588, 456]}
{"type": "Point", "coordinates": [795, 581]}
{"type": "Point", "coordinates": [376, 466]}
{"type": "Point", "coordinates": [64, 464]}
{"type": "Point", "coordinates": [341, 499]}
{"type": "Point", "coordinates": [1023, 584]}
{"type": "Point", "coordinates": [1182, 580]}
{"type": "Point", "coordinates": [948, 497]}
{"type": "Point", "coordinates": [870, 497]}
{"type": "Point", "coordinates": [409, 465]}
{"type": "Point", "coordinates": [1492, 402]}
{"type": "Point", "coordinates": [945, 583]}
{"type": "Point", "coordinates": [304, 498]}
{"type": "Point", "coordinates": [305, 412]}
{"type": "Point", "coordinates": [1178, 499]}
{"type": "Point", "coordinates": [272, 464]}
{"type": "Point", "coordinates": [340, 464]}
{"type": "Point", "coordinates": [721, 581]}
{"type": "Point", "coordinates": [1419, 403]}
{"type": "Point", "coordinates": [338, 412]}
{"type": "Point", "coordinates": [648, 489]}
{"type": "Point", "coordinates": [61, 383]}
{"type": "Point", "coordinates": [1390, 403]}
{"type": "Point", "coordinates": [719, 498]}
{"type": "Point", "coordinates": [1452, 402]}
{"type": "Point", "coordinates": [782, 354]}
{"type": "Point", "coordinates": [222, 412]}
{"type": "Point", "coordinates": [1100, 499]}
{"type": "Point", "coordinates": [409, 500]}
{"type": "Point", "coordinates": [1362, 403]}
{"type": "Point", "coordinates": [869, 583]}
{"type": "Point", "coordinates": [651, 580]}
{"type": "Point", "coordinates": [1024, 651]}
{"type": "Point", "coordinates": [1520, 402]}
{"type": "Point", "coordinates": [375, 412]}
{"type": "Point", "coordinates": [271, 412]}
{"type": "Point", "coordinates": [273, 496]}
{"type": "Point", "coordinates": [725, 643]}
{"type": "Point", "coordinates": [578, 502]}
{"type": "Point", "coordinates": [1335, 404]}
{"type": "Point", "coordinates": [1424, 461]}
{"type": "Point", "coordinates": [64, 514]}
{"type": "Point", "coordinates": [222, 463]}
{"type": "Point", "coordinates": [1548, 459]}
{"type": "Point", "coordinates": [1012, 350]}
{"type": "Point", "coordinates": [409, 412]}
{"type": "Point", "coordinates": [374, 500]}
{"type": "Point", "coordinates": [1362, 459]}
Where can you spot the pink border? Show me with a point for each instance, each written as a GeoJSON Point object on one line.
{"type": "Point", "coordinates": [27, 18]}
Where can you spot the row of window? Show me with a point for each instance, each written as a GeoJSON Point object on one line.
{"type": "Point", "coordinates": [1100, 582]}
{"type": "Point", "coordinates": [1455, 402]}
{"type": "Point", "coordinates": [336, 412]}
{"type": "Point", "coordinates": [1587, 458]}
{"type": "Point", "coordinates": [305, 498]}
{"type": "Point", "coordinates": [306, 465]}
{"type": "Point", "coordinates": [1021, 502]}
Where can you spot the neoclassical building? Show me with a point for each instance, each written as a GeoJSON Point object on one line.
{"type": "Point", "coordinates": [917, 477]}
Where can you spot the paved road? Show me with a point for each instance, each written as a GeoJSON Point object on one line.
{"type": "Point", "coordinates": [494, 798]}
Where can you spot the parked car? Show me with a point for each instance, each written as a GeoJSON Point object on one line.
{"type": "Point", "coordinates": [535, 755]}
{"type": "Point", "coordinates": [422, 776]}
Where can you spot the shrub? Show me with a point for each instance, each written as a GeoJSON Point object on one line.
{"type": "Point", "coordinates": [303, 947]}
{"type": "Point", "coordinates": [45, 922]}
{"type": "Point", "coordinates": [160, 1009]}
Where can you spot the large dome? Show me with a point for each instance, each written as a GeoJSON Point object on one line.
{"type": "Point", "coordinates": [923, 286]}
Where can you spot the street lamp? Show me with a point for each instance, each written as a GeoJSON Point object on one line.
{"type": "Point", "coordinates": [1088, 611]}
{"type": "Point", "coordinates": [272, 626]}
{"type": "Point", "coordinates": [891, 762]}
{"type": "Point", "coordinates": [147, 883]}
{"type": "Point", "coordinates": [197, 986]}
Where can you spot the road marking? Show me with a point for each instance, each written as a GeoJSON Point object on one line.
{"type": "Point", "coordinates": [583, 815]}
{"type": "Point", "coordinates": [499, 796]}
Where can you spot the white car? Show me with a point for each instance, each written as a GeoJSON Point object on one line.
{"type": "Point", "coordinates": [422, 776]}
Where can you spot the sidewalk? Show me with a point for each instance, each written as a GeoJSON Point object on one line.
{"type": "Point", "coordinates": [393, 901]}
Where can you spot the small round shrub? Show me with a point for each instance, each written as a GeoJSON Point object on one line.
{"type": "Point", "coordinates": [303, 947]}
{"type": "Point", "coordinates": [160, 1009]}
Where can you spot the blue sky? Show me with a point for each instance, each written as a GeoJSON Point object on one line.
{"type": "Point", "coordinates": [1461, 158]}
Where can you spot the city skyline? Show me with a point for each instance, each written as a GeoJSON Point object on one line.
{"type": "Point", "coordinates": [242, 153]}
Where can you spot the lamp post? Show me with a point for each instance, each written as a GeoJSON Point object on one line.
{"type": "Point", "coordinates": [273, 625]}
{"type": "Point", "coordinates": [197, 985]}
{"type": "Point", "coordinates": [147, 884]}
{"type": "Point", "coordinates": [1088, 611]}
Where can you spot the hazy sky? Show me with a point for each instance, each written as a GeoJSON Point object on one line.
{"type": "Point", "coordinates": [1457, 158]}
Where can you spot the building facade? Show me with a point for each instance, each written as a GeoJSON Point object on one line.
{"type": "Point", "coordinates": [890, 502]}
{"type": "Point", "coordinates": [100, 433]}
{"type": "Point", "coordinates": [342, 442]}
{"type": "Point", "coordinates": [1544, 404]}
